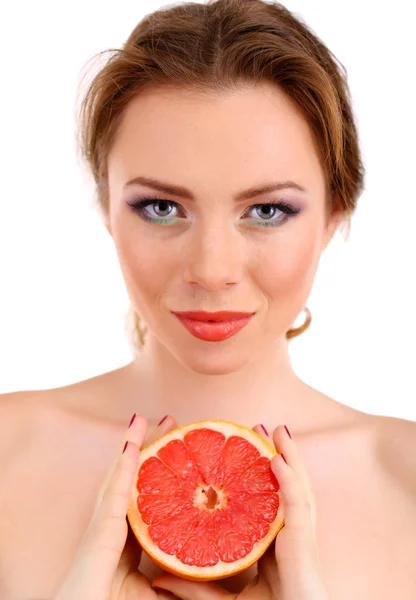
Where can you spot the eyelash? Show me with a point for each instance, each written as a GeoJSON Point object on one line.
{"type": "Point", "coordinates": [140, 204]}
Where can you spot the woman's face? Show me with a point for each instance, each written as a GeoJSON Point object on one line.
{"type": "Point", "coordinates": [215, 248]}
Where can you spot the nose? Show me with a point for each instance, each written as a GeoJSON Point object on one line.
{"type": "Point", "coordinates": [214, 257]}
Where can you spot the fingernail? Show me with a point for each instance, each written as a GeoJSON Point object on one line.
{"type": "Point", "coordinates": [264, 429]}
{"type": "Point", "coordinates": [283, 456]}
{"type": "Point", "coordinates": [164, 418]}
{"type": "Point", "coordinates": [132, 420]}
{"type": "Point", "coordinates": [288, 432]}
{"type": "Point", "coordinates": [125, 446]}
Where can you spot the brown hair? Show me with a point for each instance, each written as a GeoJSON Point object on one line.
{"type": "Point", "coordinates": [220, 46]}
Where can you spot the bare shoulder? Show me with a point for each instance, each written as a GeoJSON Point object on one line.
{"type": "Point", "coordinates": [396, 450]}
{"type": "Point", "coordinates": [85, 405]}
{"type": "Point", "coordinates": [16, 406]}
{"type": "Point", "coordinates": [40, 424]}
{"type": "Point", "coordinates": [86, 396]}
{"type": "Point", "coordinates": [19, 408]}
{"type": "Point", "coordinates": [23, 413]}
{"type": "Point", "coordinates": [19, 412]}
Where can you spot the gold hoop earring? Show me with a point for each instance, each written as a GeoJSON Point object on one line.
{"type": "Point", "coordinates": [295, 331]}
{"type": "Point", "coordinates": [135, 330]}
{"type": "Point", "coordinates": [139, 329]}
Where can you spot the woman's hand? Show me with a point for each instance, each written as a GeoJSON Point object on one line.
{"type": "Point", "coordinates": [290, 568]}
{"type": "Point", "coordinates": [105, 567]}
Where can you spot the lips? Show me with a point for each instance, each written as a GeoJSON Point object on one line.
{"type": "Point", "coordinates": [213, 326]}
{"type": "Point", "coordinates": [224, 315]}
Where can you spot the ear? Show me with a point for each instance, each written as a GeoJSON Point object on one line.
{"type": "Point", "coordinates": [331, 227]}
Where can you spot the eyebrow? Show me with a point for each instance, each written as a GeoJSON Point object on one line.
{"type": "Point", "coordinates": [177, 190]}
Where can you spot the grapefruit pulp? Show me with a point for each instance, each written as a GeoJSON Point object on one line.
{"type": "Point", "coordinates": [205, 503]}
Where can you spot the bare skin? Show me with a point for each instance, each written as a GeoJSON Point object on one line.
{"type": "Point", "coordinates": [56, 448]}
{"type": "Point", "coordinates": [211, 253]}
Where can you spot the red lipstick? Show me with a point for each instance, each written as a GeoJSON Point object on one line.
{"type": "Point", "coordinates": [213, 326]}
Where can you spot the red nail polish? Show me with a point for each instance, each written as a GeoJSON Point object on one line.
{"type": "Point", "coordinates": [125, 446]}
{"type": "Point", "coordinates": [283, 456]}
{"type": "Point", "coordinates": [265, 430]}
{"type": "Point", "coordinates": [132, 420]}
{"type": "Point", "coordinates": [164, 419]}
{"type": "Point", "coordinates": [288, 432]}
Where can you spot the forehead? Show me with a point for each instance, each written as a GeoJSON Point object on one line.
{"type": "Point", "coordinates": [249, 134]}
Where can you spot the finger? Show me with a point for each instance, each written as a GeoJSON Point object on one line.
{"type": "Point", "coordinates": [165, 595]}
{"type": "Point", "coordinates": [296, 540]}
{"type": "Point", "coordinates": [294, 482]}
{"type": "Point", "coordinates": [132, 552]}
{"type": "Point", "coordinates": [99, 553]}
{"type": "Point", "coordinates": [138, 587]}
{"type": "Point", "coordinates": [295, 546]}
{"type": "Point", "coordinates": [191, 590]}
{"type": "Point", "coordinates": [285, 444]}
{"type": "Point", "coordinates": [109, 524]}
{"type": "Point", "coordinates": [263, 432]}
{"type": "Point", "coordinates": [132, 430]}
{"type": "Point", "coordinates": [136, 437]}
{"type": "Point", "coordinates": [153, 434]}
{"type": "Point", "coordinates": [267, 565]}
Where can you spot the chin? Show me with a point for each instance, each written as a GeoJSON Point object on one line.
{"type": "Point", "coordinates": [210, 359]}
{"type": "Point", "coordinates": [212, 366]}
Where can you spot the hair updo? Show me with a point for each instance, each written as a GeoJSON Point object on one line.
{"type": "Point", "coordinates": [220, 46]}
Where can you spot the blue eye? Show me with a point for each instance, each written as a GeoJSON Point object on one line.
{"type": "Point", "coordinates": [161, 208]}
{"type": "Point", "coordinates": [156, 210]}
{"type": "Point", "coordinates": [265, 213]}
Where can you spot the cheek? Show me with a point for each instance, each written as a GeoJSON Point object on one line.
{"type": "Point", "coordinates": [289, 268]}
{"type": "Point", "coordinates": [145, 268]}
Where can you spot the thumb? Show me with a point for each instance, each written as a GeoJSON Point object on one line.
{"type": "Point", "coordinates": [191, 590]}
{"type": "Point", "coordinates": [99, 553]}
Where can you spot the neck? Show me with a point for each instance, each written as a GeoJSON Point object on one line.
{"type": "Point", "coordinates": [265, 391]}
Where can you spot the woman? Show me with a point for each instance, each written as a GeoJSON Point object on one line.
{"type": "Point", "coordinates": [225, 156]}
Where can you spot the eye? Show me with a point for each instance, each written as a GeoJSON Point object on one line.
{"type": "Point", "coordinates": [266, 211]}
{"type": "Point", "coordinates": [157, 210]}
{"type": "Point", "coordinates": [270, 213]}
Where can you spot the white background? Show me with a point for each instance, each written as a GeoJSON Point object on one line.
{"type": "Point", "coordinates": [62, 299]}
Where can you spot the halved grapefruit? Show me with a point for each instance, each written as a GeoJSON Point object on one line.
{"type": "Point", "coordinates": [205, 503]}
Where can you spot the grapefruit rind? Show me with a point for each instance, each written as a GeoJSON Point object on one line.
{"type": "Point", "coordinates": [171, 563]}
